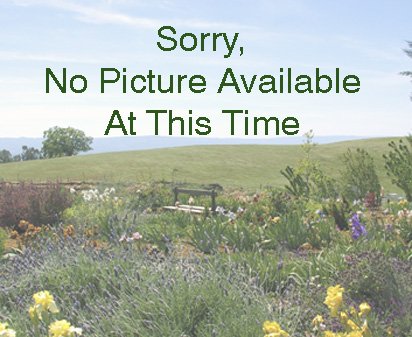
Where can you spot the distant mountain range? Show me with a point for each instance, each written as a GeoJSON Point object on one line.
{"type": "Point", "coordinates": [117, 144]}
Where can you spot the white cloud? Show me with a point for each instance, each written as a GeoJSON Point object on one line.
{"type": "Point", "coordinates": [98, 15]}
{"type": "Point", "coordinates": [24, 56]}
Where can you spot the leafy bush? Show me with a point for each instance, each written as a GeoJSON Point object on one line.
{"type": "Point", "coordinates": [289, 232]}
{"type": "Point", "coordinates": [153, 196]}
{"type": "Point", "coordinates": [308, 179]}
{"type": "Point", "coordinates": [39, 204]}
{"type": "Point", "coordinates": [372, 277]}
{"type": "Point", "coordinates": [207, 234]}
{"type": "Point", "coordinates": [102, 210]}
{"type": "Point", "coordinates": [164, 228]}
{"type": "Point", "coordinates": [398, 164]}
{"type": "Point", "coordinates": [359, 177]}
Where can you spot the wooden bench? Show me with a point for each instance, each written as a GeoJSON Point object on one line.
{"type": "Point", "coordinates": [192, 193]}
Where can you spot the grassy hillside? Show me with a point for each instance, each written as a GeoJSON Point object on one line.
{"type": "Point", "coordinates": [248, 166]}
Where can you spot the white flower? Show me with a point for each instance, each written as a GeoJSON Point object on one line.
{"type": "Point", "coordinates": [137, 236]}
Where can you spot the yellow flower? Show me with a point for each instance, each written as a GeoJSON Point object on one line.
{"type": "Point", "coordinates": [5, 332]}
{"type": "Point", "coordinates": [364, 309]}
{"type": "Point", "coordinates": [63, 329]}
{"type": "Point", "coordinates": [329, 334]}
{"type": "Point", "coordinates": [334, 299]}
{"type": "Point", "coordinates": [46, 301]}
{"type": "Point", "coordinates": [353, 312]}
{"type": "Point", "coordinates": [352, 325]}
{"type": "Point", "coordinates": [306, 246]}
{"type": "Point", "coordinates": [343, 317]}
{"type": "Point", "coordinates": [273, 329]}
{"type": "Point", "coordinates": [357, 333]}
{"type": "Point", "coordinates": [33, 313]}
{"type": "Point", "coordinates": [365, 330]}
{"type": "Point", "coordinates": [318, 320]}
{"type": "Point", "coordinates": [276, 219]}
{"type": "Point", "coordinates": [403, 203]}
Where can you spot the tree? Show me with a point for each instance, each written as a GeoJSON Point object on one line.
{"type": "Point", "coordinates": [409, 53]}
{"type": "Point", "coordinates": [59, 142]}
{"type": "Point", "coordinates": [5, 156]}
{"type": "Point", "coordinates": [398, 164]}
{"type": "Point", "coordinates": [30, 153]}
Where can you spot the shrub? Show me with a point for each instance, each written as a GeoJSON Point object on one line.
{"type": "Point", "coordinates": [308, 179]}
{"type": "Point", "coordinates": [39, 204]}
{"type": "Point", "coordinates": [359, 177]}
{"type": "Point", "coordinates": [398, 164]}
{"type": "Point", "coordinates": [100, 209]}
{"type": "Point", "coordinates": [152, 195]}
{"type": "Point", "coordinates": [371, 276]}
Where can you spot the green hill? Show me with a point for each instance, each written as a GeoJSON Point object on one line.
{"type": "Point", "coordinates": [248, 166]}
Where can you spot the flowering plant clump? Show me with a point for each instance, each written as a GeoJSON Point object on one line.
{"type": "Point", "coordinates": [353, 321]}
{"type": "Point", "coordinates": [95, 195]}
{"type": "Point", "coordinates": [6, 332]}
{"type": "Point", "coordinates": [69, 231]}
{"type": "Point", "coordinates": [358, 229]}
{"type": "Point", "coordinates": [63, 329]}
{"type": "Point", "coordinates": [334, 299]}
{"type": "Point", "coordinates": [44, 302]}
{"type": "Point", "coordinates": [44, 305]}
{"type": "Point", "coordinates": [273, 329]}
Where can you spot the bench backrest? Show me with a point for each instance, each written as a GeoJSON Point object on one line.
{"type": "Point", "coordinates": [193, 192]}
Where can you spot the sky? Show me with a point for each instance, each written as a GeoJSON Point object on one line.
{"type": "Point", "coordinates": [365, 38]}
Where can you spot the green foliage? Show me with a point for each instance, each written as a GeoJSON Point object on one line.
{"type": "Point", "coordinates": [125, 293]}
{"type": "Point", "coordinates": [100, 210]}
{"type": "Point", "coordinates": [150, 196]}
{"type": "Point", "coordinates": [359, 177]}
{"type": "Point", "coordinates": [339, 210]}
{"type": "Point", "coordinates": [297, 228]}
{"type": "Point", "coordinates": [242, 236]}
{"type": "Point", "coordinates": [165, 229]}
{"type": "Point", "coordinates": [298, 187]}
{"type": "Point", "coordinates": [3, 237]}
{"type": "Point", "coordinates": [5, 156]}
{"type": "Point", "coordinates": [30, 153]}
{"type": "Point", "coordinates": [208, 234]}
{"type": "Point", "coordinates": [308, 179]}
{"type": "Point", "coordinates": [59, 142]}
{"type": "Point", "coordinates": [409, 53]}
{"type": "Point", "coordinates": [209, 275]}
{"type": "Point", "coordinates": [398, 164]}
{"type": "Point", "coordinates": [370, 276]}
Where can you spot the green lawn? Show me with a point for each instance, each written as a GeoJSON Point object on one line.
{"type": "Point", "coordinates": [247, 166]}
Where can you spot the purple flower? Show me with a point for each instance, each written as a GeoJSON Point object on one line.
{"type": "Point", "coordinates": [358, 229]}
